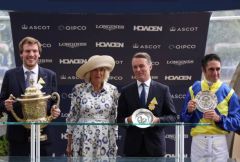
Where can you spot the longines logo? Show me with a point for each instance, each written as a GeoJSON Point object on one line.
{"type": "Point", "coordinates": [41, 61]}
{"type": "Point", "coordinates": [72, 61]}
{"type": "Point", "coordinates": [142, 28]}
{"type": "Point", "coordinates": [146, 46]}
{"type": "Point", "coordinates": [46, 45]}
{"type": "Point", "coordinates": [183, 29]}
{"type": "Point", "coordinates": [178, 96]}
{"type": "Point", "coordinates": [72, 44]}
{"type": "Point", "coordinates": [68, 77]}
{"type": "Point", "coordinates": [35, 27]}
{"type": "Point", "coordinates": [182, 46]}
{"type": "Point", "coordinates": [180, 62]}
{"type": "Point", "coordinates": [115, 78]}
{"type": "Point", "coordinates": [178, 77]}
{"type": "Point", "coordinates": [72, 27]}
{"type": "Point", "coordinates": [110, 44]}
{"type": "Point", "coordinates": [110, 27]}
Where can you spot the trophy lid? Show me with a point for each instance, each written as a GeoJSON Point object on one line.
{"type": "Point", "coordinates": [33, 93]}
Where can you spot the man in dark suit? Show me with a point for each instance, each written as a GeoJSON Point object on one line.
{"type": "Point", "coordinates": [145, 142]}
{"type": "Point", "coordinates": [14, 83]}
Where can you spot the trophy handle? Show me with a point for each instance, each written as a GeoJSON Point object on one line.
{"type": "Point", "coordinates": [54, 96]}
{"type": "Point", "coordinates": [13, 112]}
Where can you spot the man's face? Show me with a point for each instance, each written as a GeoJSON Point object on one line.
{"type": "Point", "coordinates": [30, 55]}
{"type": "Point", "coordinates": [141, 69]}
{"type": "Point", "coordinates": [212, 71]}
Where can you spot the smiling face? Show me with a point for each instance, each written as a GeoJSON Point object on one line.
{"type": "Point", "coordinates": [212, 71]}
{"type": "Point", "coordinates": [30, 55]}
{"type": "Point", "coordinates": [141, 69]}
{"type": "Point", "coordinates": [97, 76]}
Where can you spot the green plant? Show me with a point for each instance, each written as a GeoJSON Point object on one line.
{"type": "Point", "coordinates": [3, 146]}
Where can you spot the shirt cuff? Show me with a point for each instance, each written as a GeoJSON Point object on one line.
{"type": "Point", "coordinates": [126, 121]}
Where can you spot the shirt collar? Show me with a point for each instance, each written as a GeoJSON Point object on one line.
{"type": "Point", "coordinates": [104, 88]}
{"type": "Point", "coordinates": [147, 83]}
{"type": "Point", "coordinates": [34, 70]}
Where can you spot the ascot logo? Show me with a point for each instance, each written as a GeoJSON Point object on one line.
{"type": "Point", "coordinates": [72, 44]}
{"type": "Point", "coordinates": [178, 77]}
{"type": "Point", "coordinates": [72, 61]}
{"type": "Point", "coordinates": [110, 44]}
{"type": "Point", "coordinates": [180, 62]}
{"type": "Point", "coordinates": [183, 29]}
{"type": "Point", "coordinates": [147, 28]}
{"type": "Point", "coordinates": [110, 27]}
{"type": "Point", "coordinates": [70, 77]}
{"type": "Point", "coordinates": [146, 46]}
{"type": "Point", "coordinates": [182, 46]}
{"type": "Point", "coordinates": [35, 27]}
{"type": "Point", "coordinates": [119, 61]}
{"type": "Point", "coordinates": [71, 28]}
{"type": "Point", "coordinates": [178, 96]}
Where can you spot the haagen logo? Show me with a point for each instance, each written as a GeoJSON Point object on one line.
{"type": "Point", "coordinates": [110, 44]}
{"type": "Point", "coordinates": [178, 77]}
{"type": "Point", "coordinates": [72, 61]}
{"type": "Point", "coordinates": [172, 29]}
{"type": "Point", "coordinates": [147, 28]}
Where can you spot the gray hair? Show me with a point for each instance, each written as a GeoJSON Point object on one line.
{"type": "Point", "coordinates": [143, 55]}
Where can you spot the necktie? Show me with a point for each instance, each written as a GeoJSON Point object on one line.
{"type": "Point", "coordinates": [143, 96]}
{"type": "Point", "coordinates": [28, 78]}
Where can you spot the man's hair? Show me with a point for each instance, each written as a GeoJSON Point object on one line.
{"type": "Point", "coordinates": [29, 40]}
{"type": "Point", "coordinates": [209, 57]}
{"type": "Point", "coordinates": [143, 55]}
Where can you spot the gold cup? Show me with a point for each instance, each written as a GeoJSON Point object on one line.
{"type": "Point", "coordinates": [34, 107]}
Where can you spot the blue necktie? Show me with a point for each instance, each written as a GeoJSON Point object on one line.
{"type": "Point", "coordinates": [143, 96]}
{"type": "Point", "coordinates": [28, 78]}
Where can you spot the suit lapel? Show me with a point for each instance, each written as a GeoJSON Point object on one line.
{"type": "Point", "coordinates": [42, 74]}
{"type": "Point", "coordinates": [21, 78]}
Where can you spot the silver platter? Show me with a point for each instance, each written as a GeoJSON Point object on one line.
{"type": "Point", "coordinates": [206, 100]}
{"type": "Point", "coordinates": [142, 118]}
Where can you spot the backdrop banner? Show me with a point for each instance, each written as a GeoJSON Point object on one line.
{"type": "Point", "coordinates": [175, 41]}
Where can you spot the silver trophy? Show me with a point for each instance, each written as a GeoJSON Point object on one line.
{"type": "Point", "coordinates": [206, 100]}
{"type": "Point", "coordinates": [142, 118]}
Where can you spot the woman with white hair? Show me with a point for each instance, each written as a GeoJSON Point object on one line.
{"type": "Point", "coordinates": [94, 101]}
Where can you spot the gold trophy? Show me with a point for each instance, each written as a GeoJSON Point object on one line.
{"type": "Point", "coordinates": [34, 107]}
